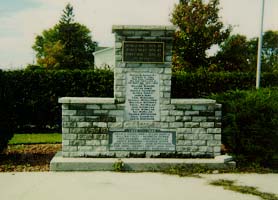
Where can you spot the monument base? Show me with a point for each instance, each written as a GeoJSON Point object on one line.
{"type": "Point", "coordinates": [59, 163]}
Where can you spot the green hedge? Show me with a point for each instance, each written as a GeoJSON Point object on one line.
{"type": "Point", "coordinates": [250, 125]}
{"type": "Point", "coordinates": [195, 85]}
{"type": "Point", "coordinates": [33, 94]}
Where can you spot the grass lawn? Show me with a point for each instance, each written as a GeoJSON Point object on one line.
{"type": "Point", "coordinates": [52, 138]}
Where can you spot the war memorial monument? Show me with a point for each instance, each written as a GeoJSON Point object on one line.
{"type": "Point", "coordinates": [141, 120]}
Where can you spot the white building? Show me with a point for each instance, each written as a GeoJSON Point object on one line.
{"type": "Point", "coordinates": [105, 58]}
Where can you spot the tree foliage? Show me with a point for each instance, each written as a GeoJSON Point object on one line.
{"type": "Point", "coordinates": [238, 53]}
{"type": "Point", "coordinates": [199, 29]}
{"type": "Point", "coordinates": [68, 45]}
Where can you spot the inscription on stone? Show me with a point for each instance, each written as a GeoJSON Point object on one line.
{"type": "Point", "coordinates": [142, 140]}
{"type": "Point", "coordinates": [142, 97]}
{"type": "Point", "coordinates": [143, 52]}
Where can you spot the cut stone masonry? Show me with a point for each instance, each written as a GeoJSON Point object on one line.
{"type": "Point", "coordinates": [141, 119]}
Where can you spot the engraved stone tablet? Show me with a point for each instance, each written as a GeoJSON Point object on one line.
{"type": "Point", "coordinates": [143, 52]}
{"type": "Point", "coordinates": [142, 97]}
{"type": "Point", "coordinates": [142, 140]}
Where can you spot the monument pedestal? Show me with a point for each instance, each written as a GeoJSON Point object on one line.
{"type": "Point", "coordinates": [141, 120]}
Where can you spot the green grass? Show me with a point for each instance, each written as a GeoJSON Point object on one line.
{"type": "Point", "coordinates": [52, 138]}
{"type": "Point", "coordinates": [230, 185]}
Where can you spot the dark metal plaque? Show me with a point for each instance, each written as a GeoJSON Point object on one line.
{"type": "Point", "coordinates": [143, 52]}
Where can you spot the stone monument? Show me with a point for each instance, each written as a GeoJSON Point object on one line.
{"type": "Point", "coordinates": [142, 119]}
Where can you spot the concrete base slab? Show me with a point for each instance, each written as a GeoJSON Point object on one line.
{"type": "Point", "coordinates": [59, 163]}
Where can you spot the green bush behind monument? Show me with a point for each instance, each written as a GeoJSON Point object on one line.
{"type": "Point", "coordinates": [250, 125]}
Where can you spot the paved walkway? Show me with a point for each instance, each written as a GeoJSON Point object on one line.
{"type": "Point", "coordinates": [126, 186]}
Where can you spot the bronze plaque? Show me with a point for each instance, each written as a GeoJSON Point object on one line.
{"type": "Point", "coordinates": [143, 52]}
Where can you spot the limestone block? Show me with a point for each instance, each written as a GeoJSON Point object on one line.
{"type": "Point", "coordinates": [76, 106]}
{"type": "Point", "coordinates": [85, 148]}
{"type": "Point", "coordinates": [104, 142]}
{"type": "Point", "coordinates": [69, 136]}
{"type": "Point", "coordinates": [169, 119]}
{"type": "Point", "coordinates": [118, 45]}
{"type": "Point", "coordinates": [218, 114]}
{"type": "Point", "coordinates": [65, 142]}
{"type": "Point", "coordinates": [100, 148]}
{"type": "Point", "coordinates": [68, 124]}
{"type": "Point", "coordinates": [176, 112]}
{"type": "Point", "coordinates": [144, 124]}
{"type": "Point", "coordinates": [85, 136]}
{"type": "Point", "coordinates": [115, 125]}
{"type": "Point", "coordinates": [214, 130]}
{"type": "Point", "coordinates": [164, 125]}
{"type": "Point", "coordinates": [214, 143]}
{"type": "Point", "coordinates": [184, 130]}
{"type": "Point", "coordinates": [207, 124]}
{"type": "Point", "coordinates": [217, 137]}
{"type": "Point", "coordinates": [100, 124]}
{"type": "Point", "coordinates": [92, 118]}
{"type": "Point", "coordinates": [108, 107]}
{"type": "Point", "coordinates": [166, 94]}
{"type": "Point", "coordinates": [65, 130]}
{"type": "Point", "coordinates": [186, 119]}
{"type": "Point", "coordinates": [216, 149]}
{"type": "Point", "coordinates": [84, 124]}
{"type": "Point", "coordinates": [198, 142]}
{"type": "Point", "coordinates": [199, 119]}
{"type": "Point", "coordinates": [77, 142]}
{"type": "Point", "coordinates": [131, 124]}
{"type": "Point", "coordinates": [93, 142]}
{"type": "Point", "coordinates": [116, 113]}
{"type": "Point", "coordinates": [100, 112]}
{"type": "Point", "coordinates": [199, 107]}
{"type": "Point", "coordinates": [100, 136]}
{"type": "Point", "coordinates": [69, 148]}
{"type": "Point", "coordinates": [180, 136]}
{"type": "Point", "coordinates": [65, 106]}
{"type": "Point", "coordinates": [78, 131]}
{"type": "Point", "coordinates": [191, 124]}
{"type": "Point", "coordinates": [168, 58]}
{"type": "Point", "coordinates": [183, 107]}
{"type": "Point", "coordinates": [68, 112]}
{"type": "Point", "coordinates": [65, 119]}
{"type": "Point", "coordinates": [85, 112]}
{"type": "Point", "coordinates": [93, 106]}
{"type": "Point", "coordinates": [176, 124]}
{"type": "Point", "coordinates": [164, 112]}
{"type": "Point", "coordinates": [191, 113]}
{"type": "Point", "coordinates": [199, 131]}
{"type": "Point", "coordinates": [205, 137]}
{"type": "Point", "coordinates": [157, 33]}
{"type": "Point", "coordinates": [77, 118]}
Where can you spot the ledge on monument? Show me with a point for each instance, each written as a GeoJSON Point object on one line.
{"type": "Point", "coordinates": [143, 27]}
{"type": "Point", "coordinates": [86, 100]}
{"type": "Point", "coordinates": [193, 101]}
{"type": "Point", "coordinates": [59, 163]}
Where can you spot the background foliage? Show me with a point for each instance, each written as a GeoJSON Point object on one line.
{"type": "Point", "coordinates": [249, 126]}
{"type": "Point", "coordinates": [68, 45]}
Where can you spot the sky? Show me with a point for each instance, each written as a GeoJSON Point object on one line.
{"type": "Point", "coordinates": [22, 20]}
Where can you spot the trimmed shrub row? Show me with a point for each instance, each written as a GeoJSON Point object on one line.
{"type": "Point", "coordinates": [195, 85]}
{"type": "Point", "coordinates": [32, 96]}
{"type": "Point", "coordinates": [250, 125]}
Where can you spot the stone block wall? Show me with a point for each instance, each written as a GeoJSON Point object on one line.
{"type": "Point", "coordinates": [141, 119]}
{"type": "Point", "coordinates": [144, 34]}
{"type": "Point", "coordinates": [89, 122]}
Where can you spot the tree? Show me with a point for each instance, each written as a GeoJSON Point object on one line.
{"type": "Point", "coordinates": [68, 45]}
{"type": "Point", "coordinates": [199, 29]}
{"type": "Point", "coordinates": [238, 53]}
{"type": "Point", "coordinates": [235, 54]}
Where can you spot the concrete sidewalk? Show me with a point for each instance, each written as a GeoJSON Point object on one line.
{"type": "Point", "coordinates": [126, 186]}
